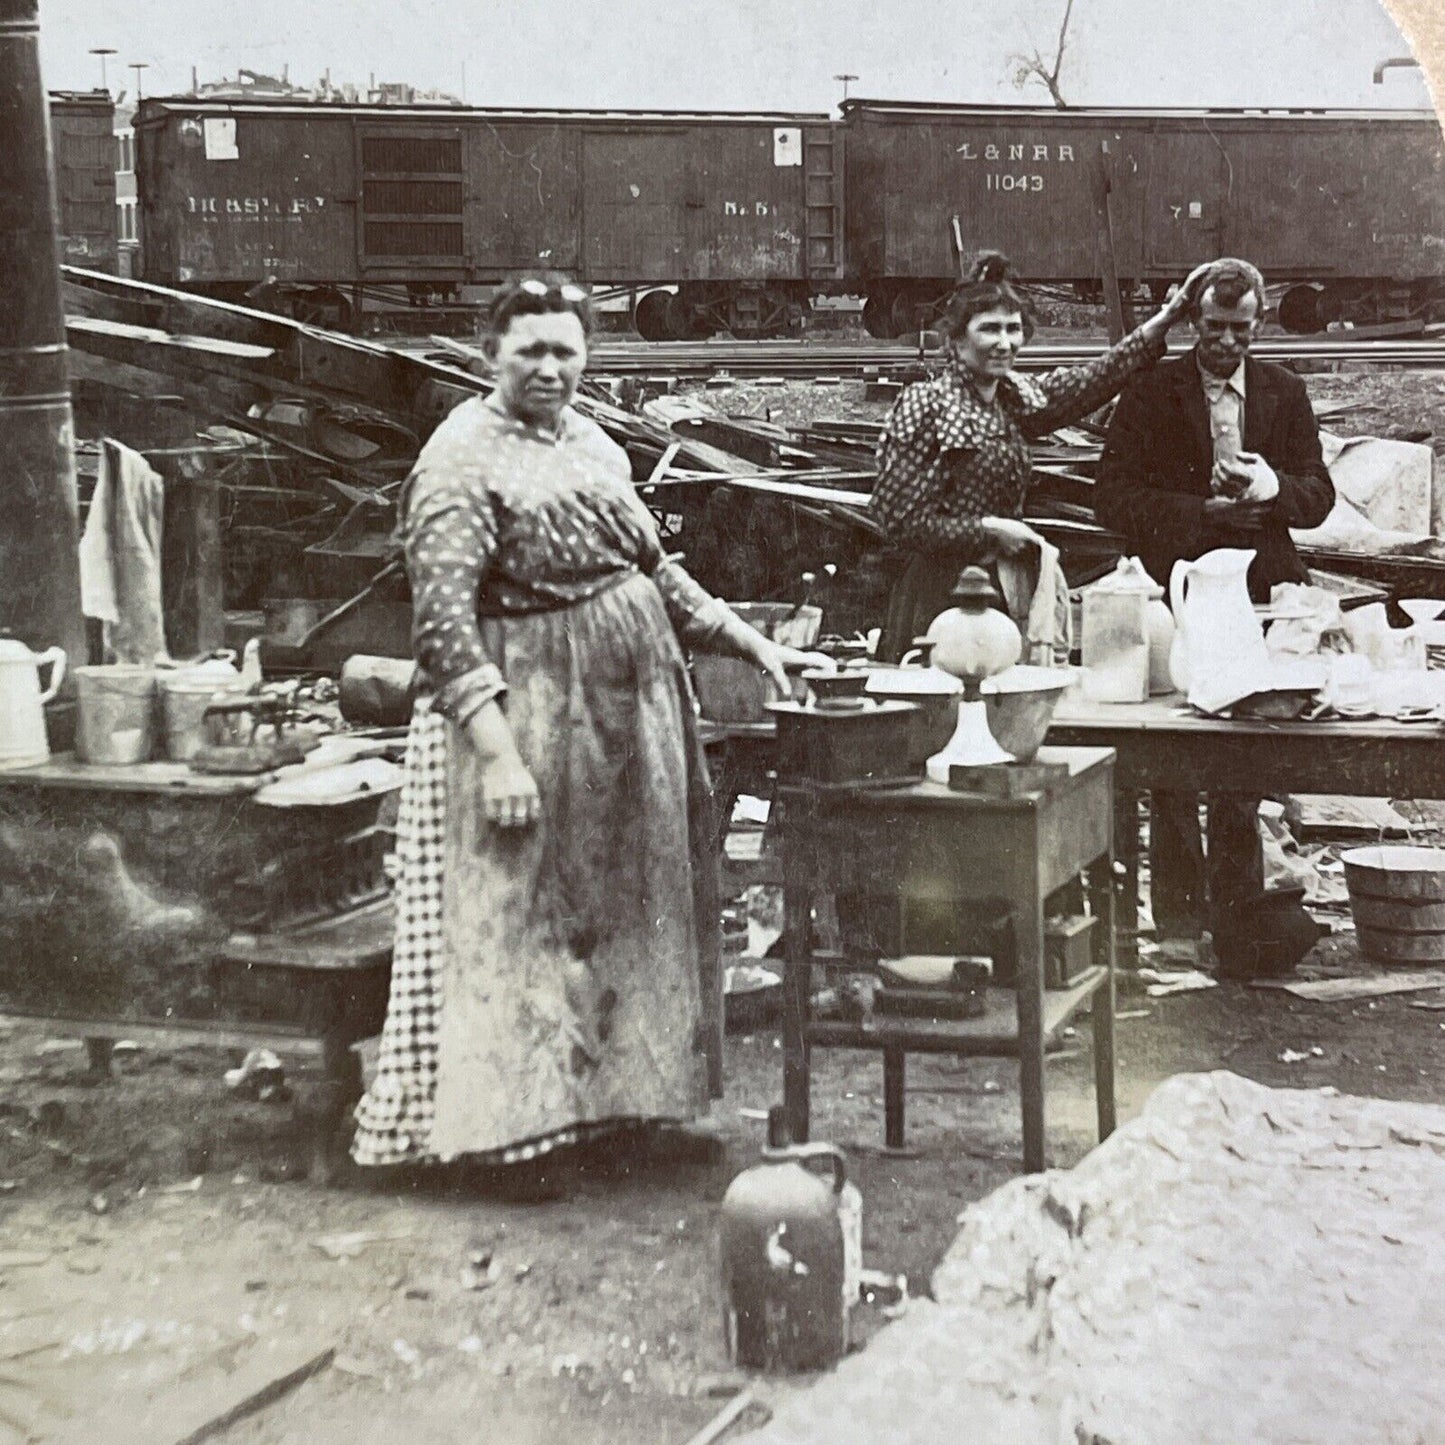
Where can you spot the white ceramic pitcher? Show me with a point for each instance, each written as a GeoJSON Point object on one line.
{"type": "Point", "coordinates": [1218, 638]}
{"type": "Point", "coordinates": [23, 742]}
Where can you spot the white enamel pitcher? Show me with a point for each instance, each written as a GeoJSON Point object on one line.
{"type": "Point", "coordinates": [23, 742]}
{"type": "Point", "coordinates": [1218, 638]}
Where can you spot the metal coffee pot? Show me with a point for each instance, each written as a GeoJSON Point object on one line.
{"type": "Point", "coordinates": [23, 742]}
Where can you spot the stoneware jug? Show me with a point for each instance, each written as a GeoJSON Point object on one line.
{"type": "Point", "coordinates": [791, 1250]}
{"type": "Point", "coordinates": [23, 742]}
{"type": "Point", "coordinates": [1216, 632]}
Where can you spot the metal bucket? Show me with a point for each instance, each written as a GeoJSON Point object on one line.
{"type": "Point", "coordinates": [183, 708]}
{"type": "Point", "coordinates": [115, 713]}
{"type": "Point", "coordinates": [1397, 898]}
{"type": "Point", "coordinates": [730, 690]}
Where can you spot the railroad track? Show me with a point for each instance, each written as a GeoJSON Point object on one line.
{"type": "Point", "coordinates": [791, 359]}
{"type": "Point", "coordinates": [812, 359]}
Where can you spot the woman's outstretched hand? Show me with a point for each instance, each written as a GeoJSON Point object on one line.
{"type": "Point", "coordinates": [1010, 535]}
{"type": "Point", "coordinates": [1177, 307]}
{"type": "Point", "coordinates": [777, 661]}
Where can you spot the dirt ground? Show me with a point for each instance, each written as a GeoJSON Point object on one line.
{"type": "Point", "coordinates": [155, 1229]}
{"type": "Point", "coordinates": [153, 1235]}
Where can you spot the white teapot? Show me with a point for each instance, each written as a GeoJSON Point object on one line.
{"type": "Point", "coordinates": [23, 742]}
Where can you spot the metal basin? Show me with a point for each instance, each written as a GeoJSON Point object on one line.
{"type": "Point", "coordinates": [1021, 702]}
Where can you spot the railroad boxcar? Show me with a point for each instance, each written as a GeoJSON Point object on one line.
{"type": "Point", "coordinates": [737, 216]}
{"type": "Point", "coordinates": [1348, 206]}
{"type": "Point", "coordinates": [82, 140]}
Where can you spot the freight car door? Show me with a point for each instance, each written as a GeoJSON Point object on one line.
{"type": "Point", "coordinates": [635, 204]}
{"type": "Point", "coordinates": [411, 202]}
{"type": "Point", "coordinates": [1188, 196]}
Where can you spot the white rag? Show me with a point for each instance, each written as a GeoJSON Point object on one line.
{"type": "Point", "coordinates": [1037, 596]}
{"type": "Point", "coordinates": [120, 556]}
{"type": "Point", "coordinates": [1383, 495]}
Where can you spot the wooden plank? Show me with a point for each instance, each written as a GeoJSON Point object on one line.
{"type": "Point", "coordinates": [995, 1032]}
{"type": "Point", "coordinates": [1373, 985]}
{"type": "Point", "coordinates": [63, 771]}
{"type": "Point", "coordinates": [196, 1410]}
{"type": "Point", "coordinates": [280, 1039]}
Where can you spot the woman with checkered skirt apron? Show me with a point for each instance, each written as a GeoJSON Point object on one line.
{"type": "Point", "coordinates": [556, 896]}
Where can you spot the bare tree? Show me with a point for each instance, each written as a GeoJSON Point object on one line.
{"type": "Point", "coordinates": [1033, 67]}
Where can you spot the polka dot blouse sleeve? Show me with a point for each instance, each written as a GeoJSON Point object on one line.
{"type": "Point", "coordinates": [697, 617]}
{"type": "Point", "coordinates": [450, 535]}
{"type": "Point", "coordinates": [920, 499]}
{"type": "Point", "coordinates": [1070, 393]}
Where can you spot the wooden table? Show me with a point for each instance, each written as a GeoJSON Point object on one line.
{"type": "Point", "coordinates": [1164, 745]}
{"type": "Point", "coordinates": [155, 903]}
{"type": "Point", "coordinates": [926, 841]}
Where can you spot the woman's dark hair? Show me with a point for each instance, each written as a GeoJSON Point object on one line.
{"type": "Point", "coordinates": [989, 288]}
{"type": "Point", "coordinates": [539, 293]}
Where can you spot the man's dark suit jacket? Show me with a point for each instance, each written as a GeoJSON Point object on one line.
{"type": "Point", "coordinates": [1153, 479]}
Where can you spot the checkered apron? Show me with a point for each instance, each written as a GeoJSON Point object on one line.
{"type": "Point", "coordinates": [394, 1119]}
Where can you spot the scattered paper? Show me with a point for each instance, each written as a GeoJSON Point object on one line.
{"type": "Point", "coordinates": [1294, 1056]}
{"type": "Point", "coordinates": [749, 809]}
{"type": "Point", "coordinates": [1160, 984]}
{"type": "Point", "coordinates": [1369, 985]}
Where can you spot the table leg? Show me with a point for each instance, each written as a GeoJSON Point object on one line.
{"type": "Point", "coordinates": [1102, 899]}
{"type": "Point", "coordinates": [894, 1089]}
{"type": "Point", "coordinates": [1126, 850]}
{"type": "Point", "coordinates": [1029, 922]}
{"type": "Point", "coordinates": [797, 985]}
{"type": "Point", "coordinates": [726, 784]}
{"type": "Point", "coordinates": [98, 1054]}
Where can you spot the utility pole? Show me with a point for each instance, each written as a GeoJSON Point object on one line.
{"type": "Point", "coordinates": [138, 66]}
{"type": "Point", "coordinates": [845, 78]}
{"type": "Point", "coordinates": [39, 550]}
{"type": "Point", "coordinates": [103, 51]}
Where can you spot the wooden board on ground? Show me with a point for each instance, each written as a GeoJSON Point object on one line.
{"type": "Point", "coordinates": [1331, 813]}
{"type": "Point", "coordinates": [1369, 985]}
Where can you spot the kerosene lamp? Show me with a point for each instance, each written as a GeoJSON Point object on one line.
{"type": "Point", "coordinates": [973, 640]}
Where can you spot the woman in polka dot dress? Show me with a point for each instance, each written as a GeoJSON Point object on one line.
{"type": "Point", "coordinates": [556, 961]}
{"type": "Point", "coordinates": [953, 460]}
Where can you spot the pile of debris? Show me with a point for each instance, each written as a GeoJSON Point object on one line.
{"type": "Point", "coordinates": [308, 436]}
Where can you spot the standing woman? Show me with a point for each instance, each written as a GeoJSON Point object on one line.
{"type": "Point", "coordinates": [556, 898]}
{"type": "Point", "coordinates": [953, 461]}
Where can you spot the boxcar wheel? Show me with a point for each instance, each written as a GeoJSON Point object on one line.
{"type": "Point", "coordinates": [649, 316]}
{"type": "Point", "coordinates": [876, 320]}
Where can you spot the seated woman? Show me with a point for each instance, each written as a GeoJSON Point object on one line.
{"type": "Point", "coordinates": [953, 461]}
{"type": "Point", "coordinates": [557, 908]}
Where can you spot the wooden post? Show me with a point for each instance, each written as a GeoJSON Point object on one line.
{"type": "Point", "coordinates": [191, 560]}
{"type": "Point", "coordinates": [39, 556]}
{"type": "Point", "coordinates": [1120, 315]}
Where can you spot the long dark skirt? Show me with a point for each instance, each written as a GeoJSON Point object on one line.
{"type": "Point", "coordinates": [552, 982]}
{"type": "Point", "coordinates": [920, 594]}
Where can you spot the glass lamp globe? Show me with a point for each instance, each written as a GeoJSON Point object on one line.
{"type": "Point", "coordinates": [972, 640]}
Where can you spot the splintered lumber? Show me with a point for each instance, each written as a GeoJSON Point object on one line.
{"type": "Point", "coordinates": [199, 1409]}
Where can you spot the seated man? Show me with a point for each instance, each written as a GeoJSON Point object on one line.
{"type": "Point", "coordinates": [1213, 449]}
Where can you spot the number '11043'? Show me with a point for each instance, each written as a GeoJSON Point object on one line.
{"type": "Point", "coordinates": [1006, 181]}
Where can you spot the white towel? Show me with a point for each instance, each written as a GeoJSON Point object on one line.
{"type": "Point", "coordinates": [1037, 596]}
{"type": "Point", "coordinates": [120, 555]}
